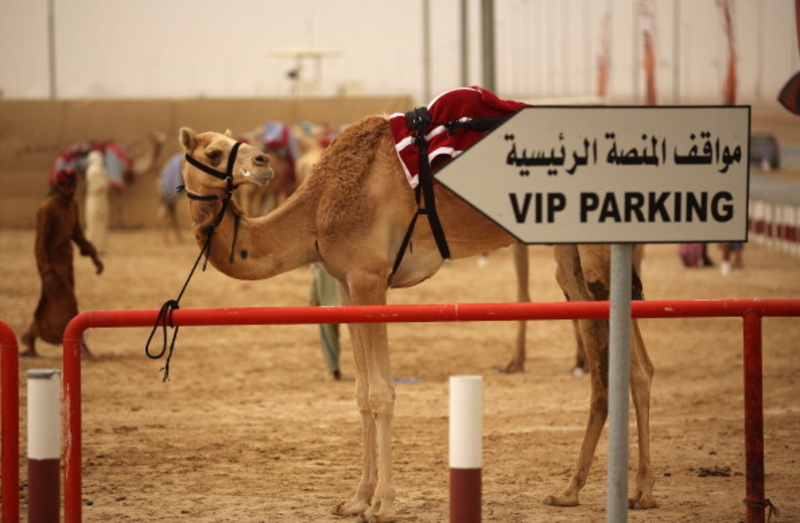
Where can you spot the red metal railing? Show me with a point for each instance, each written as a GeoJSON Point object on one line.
{"type": "Point", "coordinates": [9, 403]}
{"type": "Point", "coordinates": [751, 310]}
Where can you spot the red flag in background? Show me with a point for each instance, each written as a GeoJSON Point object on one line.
{"type": "Point", "coordinates": [729, 87]}
{"type": "Point", "coordinates": [604, 58]}
{"type": "Point", "coordinates": [647, 17]}
{"type": "Point", "coordinates": [789, 96]}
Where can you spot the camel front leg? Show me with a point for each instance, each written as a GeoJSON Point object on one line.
{"type": "Point", "coordinates": [376, 397]}
{"type": "Point", "coordinates": [380, 401]}
{"type": "Point", "coordinates": [362, 499]}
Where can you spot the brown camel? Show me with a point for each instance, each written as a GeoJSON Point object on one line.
{"type": "Point", "coordinates": [260, 199]}
{"type": "Point", "coordinates": [521, 266]}
{"type": "Point", "coordinates": [351, 215]}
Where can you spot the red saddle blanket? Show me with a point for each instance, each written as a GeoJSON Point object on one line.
{"type": "Point", "coordinates": [465, 103]}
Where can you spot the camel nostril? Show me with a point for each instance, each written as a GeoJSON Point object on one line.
{"type": "Point", "coordinates": [261, 159]}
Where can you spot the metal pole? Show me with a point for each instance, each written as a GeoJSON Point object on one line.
{"type": "Point", "coordinates": [618, 378]}
{"type": "Point", "coordinates": [637, 42]}
{"type": "Point", "coordinates": [676, 53]}
{"type": "Point", "coordinates": [487, 29]}
{"type": "Point", "coordinates": [464, 42]}
{"type": "Point", "coordinates": [426, 51]}
{"type": "Point", "coordinates": [753, 419]}
{"type": "Point", "coordinates": [51, 47]}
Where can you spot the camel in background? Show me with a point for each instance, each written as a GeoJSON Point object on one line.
{"type": "Point", "coordinates": [122, 164]}
{"type": "Point", "coordinates": [278, 141]}
{"type": "Point", "coordinates": [351, 215]}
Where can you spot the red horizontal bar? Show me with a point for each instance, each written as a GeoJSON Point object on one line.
{"type": "Point", "coordinates": [430, 313]}
{"type": "Point", "coordinates": [754, 308]}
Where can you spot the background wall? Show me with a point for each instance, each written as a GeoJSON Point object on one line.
{"type": "Point", "coordinates": [33, 133]}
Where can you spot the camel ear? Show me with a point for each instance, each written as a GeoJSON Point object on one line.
{"type": "Point", "coordinates": [228, 133]}
{"type": "Point", "coordinates": [187, 138]}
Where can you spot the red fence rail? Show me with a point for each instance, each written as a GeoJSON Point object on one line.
{"type": "Point", "coordinates": [750, 310]}
{"type": "Point", "coordinates": [9, 405]}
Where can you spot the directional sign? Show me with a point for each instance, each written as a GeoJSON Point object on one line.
{"type": "Point", "coordinates": [611, 174]}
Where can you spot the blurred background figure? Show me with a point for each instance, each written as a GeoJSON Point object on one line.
{"type": "Point", "coordinates": [57, 226]}
{"type": "Point", "coordinates": [169, 190]}
{"type": "Point", "coordinates": [325, 293]}
{"type": "Point", "coordinates": [97, 213]}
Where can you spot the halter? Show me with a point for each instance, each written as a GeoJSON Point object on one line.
{"type": "Point", "coordinates": [165, 314]}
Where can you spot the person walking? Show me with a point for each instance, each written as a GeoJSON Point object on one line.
{"type": "Point", "coordinates": [57, 227]}
{"type": "Point", "coordinates": [325, 293]}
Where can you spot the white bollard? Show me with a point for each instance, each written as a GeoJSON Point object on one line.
{"type": "Point", "coordinates": [44, 445]}
{"type": "Point", "coordinates": [466, 448]}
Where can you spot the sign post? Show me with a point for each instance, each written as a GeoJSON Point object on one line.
{"type": "Point", "coordinates": [618, 175]}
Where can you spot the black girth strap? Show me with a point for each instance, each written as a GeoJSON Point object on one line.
{"type": "Point", "coordinates": [418, 122]}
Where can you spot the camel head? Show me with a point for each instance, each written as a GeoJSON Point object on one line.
{"type": "Point", "coordinates": [211, 152]}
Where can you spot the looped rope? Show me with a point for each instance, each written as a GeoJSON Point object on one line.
{"type": "Point", "coordinates": [764, 503]}
{"type": "Point", "coordinates": [164, 318]}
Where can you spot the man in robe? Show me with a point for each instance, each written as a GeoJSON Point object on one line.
{"type": "Point", "coordinates": [57, 226]}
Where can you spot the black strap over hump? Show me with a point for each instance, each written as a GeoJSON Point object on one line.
{"type": "Point", "coordinates": [418, 121]}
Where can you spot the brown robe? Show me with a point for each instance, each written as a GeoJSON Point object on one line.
{"type": "Point", "coordinates": [57, 226]}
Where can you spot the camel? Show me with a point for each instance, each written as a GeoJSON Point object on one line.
{"type": "Point", "coordinates": [278, 142]}
{"type": "Point", "coordinates": [351, 215]}
{"type": "Point", "coordinates": [122, 165]}
{"type": "Point", "coordinates": [518, 356]}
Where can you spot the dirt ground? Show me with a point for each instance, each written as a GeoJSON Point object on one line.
{"type": "Point", "coordinates": [251, 429]}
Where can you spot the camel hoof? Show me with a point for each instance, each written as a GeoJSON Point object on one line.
{"type": "Point", "coordinates": [642, 503]}
{"type": "Point", "coordinates": [561, 501]}
{"type": "Point", "coordinates": [374, 515]}
{"type": "Point", "coordinates": [513, 368]}
{"type": "Point", "coordinates": [350, 508]}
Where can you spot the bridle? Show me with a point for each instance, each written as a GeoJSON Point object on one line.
{"type": "Point", "coordinates": [226, 176]}
{"type": "Point", "coordinates": [165, 314]}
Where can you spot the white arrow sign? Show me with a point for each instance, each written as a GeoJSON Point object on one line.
{"type": "Point", "coordinates": [611, 174]}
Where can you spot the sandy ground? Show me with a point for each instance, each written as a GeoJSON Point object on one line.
{"type": "Point", "coordinates": [251, 429]}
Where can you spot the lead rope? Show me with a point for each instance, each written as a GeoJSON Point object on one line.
{"type": "Point", "coordinates": [164, 318]}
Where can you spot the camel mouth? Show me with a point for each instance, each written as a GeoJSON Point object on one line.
{"type": "Point", "coordinates": [260, 178]}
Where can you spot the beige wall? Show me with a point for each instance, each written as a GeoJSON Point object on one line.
{"type": "Point", "coordinates": [33, 133]}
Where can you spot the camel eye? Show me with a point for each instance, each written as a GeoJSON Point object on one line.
{"type": "Point", "coordinates": [214, 155]}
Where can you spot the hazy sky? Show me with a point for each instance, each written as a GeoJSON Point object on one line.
{"type": "Point", "coordinates": [544, 48]}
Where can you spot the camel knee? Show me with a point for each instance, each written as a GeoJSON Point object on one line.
{"type": "Point", "coordinates": [598, 288]}
{"type": "Point", "coordinates": [599, 406]}
{"type": "Point", "coordinates": [381, 405]}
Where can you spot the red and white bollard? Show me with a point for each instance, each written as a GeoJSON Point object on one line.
{"type": "Point", "coordinates": [44, 445]}
{"type": "Point", "coordinates": [466, 448]}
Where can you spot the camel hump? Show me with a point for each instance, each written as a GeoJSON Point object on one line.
{"type": "Point", "coordinates": [353, 151]}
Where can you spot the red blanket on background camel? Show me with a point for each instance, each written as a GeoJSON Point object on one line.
{"type": "Point", "coordinates": [465, 103]}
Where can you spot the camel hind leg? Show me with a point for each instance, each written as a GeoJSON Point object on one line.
{"type": "Point", "coordinates": [517, 363]}
{"type": "Point", "coordinates": [641, 379]}
{"type": "Point", "coordinates": [573, 282]}
{"type": "Point", "coordinates": [583, 273]}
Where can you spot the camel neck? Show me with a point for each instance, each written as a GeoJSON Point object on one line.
{"type": "Point", "coordinates": [253, 248]}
